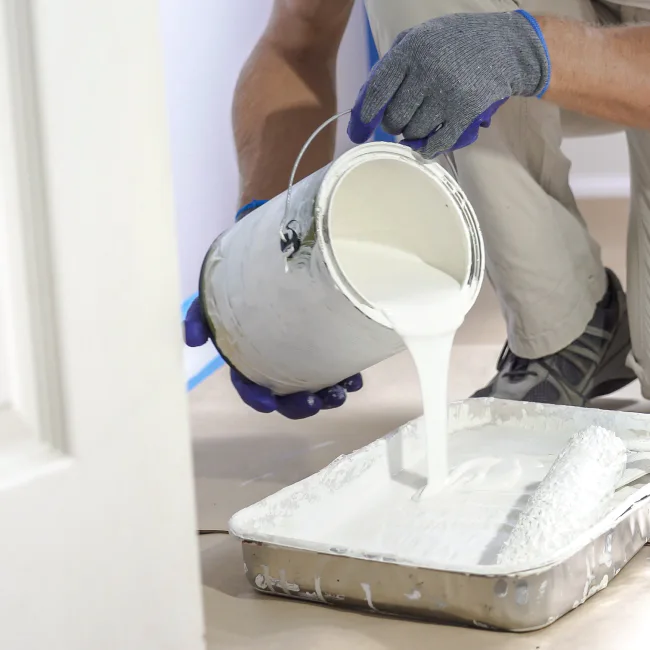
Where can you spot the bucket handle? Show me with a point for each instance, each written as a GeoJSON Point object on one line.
{"type": "Point", "coordinates": [289, 237]}
{"type": "Point", "coordinates": [290, 240]}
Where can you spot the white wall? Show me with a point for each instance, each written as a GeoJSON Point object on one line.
{"type": "Point", "coordinates": [600, 166]}
{"type": "Point", "coordinates": [206, 43]}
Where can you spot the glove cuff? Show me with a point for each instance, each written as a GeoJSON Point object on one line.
{"type": "Point", "coordinates": [544, 56]}
{"type": "Point", "coordinates": [248, 208]}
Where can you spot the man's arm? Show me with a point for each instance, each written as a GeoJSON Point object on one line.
{"type": "Point", "coordinates": [602, 72]}
{"type": "Point", "coordinates": [285, 91]}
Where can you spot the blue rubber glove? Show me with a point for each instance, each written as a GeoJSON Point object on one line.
{"type": "Point", "coordinates": [295, 407]}
{"type": "Point", "coordinates": [443, 80]}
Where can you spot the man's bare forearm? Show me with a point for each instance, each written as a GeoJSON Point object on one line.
{"type": "Point", "coordinates": [286, 89]}
{"type": "Point", "coordinates": [602, 72]}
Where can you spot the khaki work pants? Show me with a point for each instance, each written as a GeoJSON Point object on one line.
{"type": "Point", "coordinates": [542, 261]}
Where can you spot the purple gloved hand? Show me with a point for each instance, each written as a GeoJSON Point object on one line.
{"type": "Point", "coordinates": [467, 137]}
{"type": "Point", "coordinates": [295, 407]}
{"type": "Point", "coordinates": [443, 80]}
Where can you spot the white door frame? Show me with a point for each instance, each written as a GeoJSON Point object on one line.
{"type": "Point", "coordinates": [98, 545]}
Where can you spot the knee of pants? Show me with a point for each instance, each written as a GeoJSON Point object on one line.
{"type": "Point", "coordinates": [388, 17]}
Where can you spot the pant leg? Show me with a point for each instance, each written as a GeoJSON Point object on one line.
{"type": "Point", "coordinates": [638, 244]}
{"type": "Point", "coordinates": [541, 260]}
{"type": "Point", "coordinates": [545, 267]}
{"type": "Point", "coordinates": [638, 257]}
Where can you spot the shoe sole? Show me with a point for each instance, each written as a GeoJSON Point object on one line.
{"type": "Point", "coordinates": [612, 375]}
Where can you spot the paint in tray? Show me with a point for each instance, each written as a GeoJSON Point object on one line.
{"type": "Point", "coordinates": [366, 505]}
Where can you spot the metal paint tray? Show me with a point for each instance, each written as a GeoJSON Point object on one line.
{"type": "Point", "coordinates": [282, 535]}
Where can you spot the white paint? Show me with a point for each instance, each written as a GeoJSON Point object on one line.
{"type": "Point", "coordinates": [268, 581]}
{"type": "Point", "coordinates": [425, 307]}
{"type": "Point", "coordinates": [606, 556]}
{"type": "Point", "coordinates": [368, 593]}
{"type": "Point", "coordinates": [521, 594]}
{"type": "Point", "coordinates": [571, 498]}
{"type": "Point", "coordinates": [414, 595]}
{"type": "Point", "coordinates": [322, 445]}
{"type": "Point", "coordinates": [498, 455]}
{"type": "Point", "coordinates": [596, 588]}
{"type": "Point", "coordinates": [542, 590]}
{"type": "Point", "coordinates": [263, 477]}
{"type": "Point", "coordinates": [406, 254]}
{"type": "Point", "coordinates": [319, 591]}
{"type": "Point", "coordinates": [98, 547]}
{"type": "Point", "coordinates": [286, 586]}
{"type": "Point", "coordinates": [310, 595]}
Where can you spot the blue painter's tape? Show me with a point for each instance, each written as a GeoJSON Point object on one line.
{"type": "Point", "coordinates": [203, 374]}
{"type": "Point", "coordinates": [373, 57]}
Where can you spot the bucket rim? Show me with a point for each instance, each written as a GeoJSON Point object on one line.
{"type": "Point", "coordinates": [361, 154]}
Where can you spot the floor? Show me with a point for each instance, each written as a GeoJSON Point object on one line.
{"type": "Point", "coordinates": [241, 456]}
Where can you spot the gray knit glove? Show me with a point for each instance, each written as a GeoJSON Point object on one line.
{"type": "Point", "coordinates": [444, 79]}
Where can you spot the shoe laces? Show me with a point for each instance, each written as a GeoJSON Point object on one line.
{"type": "Point", "coordinates": [519, 368]}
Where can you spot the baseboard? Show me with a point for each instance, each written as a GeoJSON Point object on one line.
{"type": "Point", "coordinates": [201, 362]}
{"type": "Point", "coordinates": [605, 186]}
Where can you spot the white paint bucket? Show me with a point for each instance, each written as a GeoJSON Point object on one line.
{"type": "Point", "coordinates": [279, 305]}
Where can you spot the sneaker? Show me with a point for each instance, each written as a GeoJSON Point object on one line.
{"type": "Point", "coordinates": [591, 366]}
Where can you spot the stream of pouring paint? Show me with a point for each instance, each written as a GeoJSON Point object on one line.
{"type": "Point", "coordinates": [425, 306]}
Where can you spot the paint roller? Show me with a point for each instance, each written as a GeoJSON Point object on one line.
{"type": "Point", "coordinates": [571, 498]}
